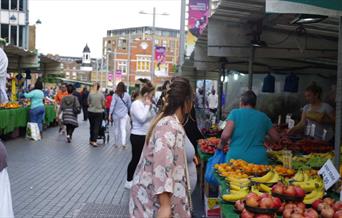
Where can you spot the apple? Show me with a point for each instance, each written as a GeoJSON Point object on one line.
{"type": "Point", "coordinates": [252, 195]}
{"type": "Point", "coordinates": [310, 213]}
{"type": "Point", "coordinates": [338, 214]}
{"type": "Point", "coordinates": [287, 212]}
{"type": "Point", "coordinates": [246, 214]}
{"type": "Point", "coordinates": [266, 203]}
{"type": "Point", "coordinates": [327, 212]}
{"type": "Point", "coordinates": [278, 188]}
{"type": "Point", "coordinates": [337, 206]}
{"type": "Point", "coordinates": [239, 205]}
{"type": "Point", "coordinates": [276, 202]}
{"type": "Point", "coordinates": [299, 192]}
{"type": "Point", "coordinates": [301, 205]}
{"type": "Point", "coordinates": [252, 201]}
{"type": "Point", "coordinates": [290, 191]}
{"type": "Point", "coordinates": [316, 203]}
{"type": "Point", "coordinates": [281, 208]}
{"type": "Point", "coordinates": [329, 201]}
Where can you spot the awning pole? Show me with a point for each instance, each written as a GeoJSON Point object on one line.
{"type": "Point", "coordinates": [338, 100]}
{"type": "Point", "coordinates": [250, 68]}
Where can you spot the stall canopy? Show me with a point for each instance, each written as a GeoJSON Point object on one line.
{"type": "Point", "coordinates": [20, 58]}
{"type": "Point", "coordinates": [50, 65]}
{"type": "Point", "coordinates": [254, 40]}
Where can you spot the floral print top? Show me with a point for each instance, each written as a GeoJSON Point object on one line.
{"type": "Point", "coordinates": [161, 169]}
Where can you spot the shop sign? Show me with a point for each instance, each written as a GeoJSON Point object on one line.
{"type": "Point", "coordinates": [330, 174]}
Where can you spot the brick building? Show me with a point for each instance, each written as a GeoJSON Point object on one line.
{"type": "Point", "coordinates": [128, 52]}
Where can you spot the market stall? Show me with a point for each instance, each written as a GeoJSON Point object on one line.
{"type": "Point", "coordinates": [15, 116]}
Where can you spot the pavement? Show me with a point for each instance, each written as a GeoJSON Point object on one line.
{"type": "Point", "coordinates": [51, 178]}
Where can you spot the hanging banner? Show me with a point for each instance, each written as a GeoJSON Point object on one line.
{"type": "Point", "coordinates": [118, 76]}
{"type": "Point", "coordinates": [160, 67]}
{"type": "Point", "coordinates": [110, 76]}
{"type": "Point", "coordinates": [197, 21]}
{"type": "Point", "coordinates": [318, 7]}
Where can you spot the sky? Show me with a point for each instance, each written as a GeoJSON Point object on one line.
{"type": "Point", "coordinates": [67, 25]}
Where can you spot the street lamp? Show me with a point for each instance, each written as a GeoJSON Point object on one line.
{"type": "Point", "coordinates": [38, 22]}
{"type": "Point", "coordinates": [154, 14]}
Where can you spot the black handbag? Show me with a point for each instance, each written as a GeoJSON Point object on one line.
{"type": "Point", "coordinates": [76, 110]}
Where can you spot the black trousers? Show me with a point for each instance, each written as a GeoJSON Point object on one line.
{"type": "Point", "coordinates": [85, 113]}
{"type": "Point", "coordinates": [137, 142]}
{"type": "Point", "coordinates": [95, 120]}
{"type": "Point", "coordinates": [70, 129]}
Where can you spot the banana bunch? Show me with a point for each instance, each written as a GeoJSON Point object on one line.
{"type": "Point", "coordinates": [270, 177]}
{"type": "Point", "coordinates": [238, 183]}
{"type": "Point", "coordinates": [261, 189]}
{"type": "Point", "coordinates": [299, 176]}
{"type": "Point", "coordinates": [313, 196]}
{"type": "Point", "coordinates": [310, 184]}
{"type": "Point", "coordinates": [235, 195]}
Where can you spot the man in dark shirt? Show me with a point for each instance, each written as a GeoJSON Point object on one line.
{"type": "Point", "coordinates": [84, 103]}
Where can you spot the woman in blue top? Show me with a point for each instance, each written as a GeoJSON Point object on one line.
{"type": "Point", "coordinates": [246, 129]}
{"type": "Point", "coordinates": [37, 111]}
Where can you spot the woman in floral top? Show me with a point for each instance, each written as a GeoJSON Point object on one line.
{"type": "Point", "coordinates": [160, 182]}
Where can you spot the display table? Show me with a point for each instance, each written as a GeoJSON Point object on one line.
{"type": "Point", "coordinates": [11, 119]}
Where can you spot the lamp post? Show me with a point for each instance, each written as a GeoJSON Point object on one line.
{"type": "Point", "coordinates": [38, 22]}
{"type": "Point", "coordinates": [154, 14]}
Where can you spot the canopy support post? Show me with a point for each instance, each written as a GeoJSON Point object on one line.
{"type": "Point", "coordinates": [250, 68]}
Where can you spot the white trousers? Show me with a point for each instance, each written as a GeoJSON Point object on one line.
{"type": "Point", "coordinates": [121, 126]}
{"type": "Point", "coordinates": [6, 209]}
{"type": "Point", "coordinates": [3, 94]}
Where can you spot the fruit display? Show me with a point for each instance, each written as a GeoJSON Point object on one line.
{"type": "Point", "coordinates": [269, 178]}
{"type": "Point", "coordinates": [213, 131]}
{"type": "Point", "coordinates": [209, 145]}
{"type": "Point", "coordinates": [314, 160]}
{"type": "Point", "coordinates": [10, 105]}
{"type": "Point", "coordinates": [249, 168]}
{"type": "Point", "coordinates": [298, 210]}
{"type": "Point", "coordinates": [288, 193]}
{"type": "Point", "coordinates": [283, 171]}
{"type": "Point", "coordinates": [328, 207]}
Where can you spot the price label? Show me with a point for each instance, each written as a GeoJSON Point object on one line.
{"type": "Point", "coordinates": [329, 173]}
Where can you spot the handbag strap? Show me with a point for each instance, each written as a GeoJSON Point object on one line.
{"type": "Point", "coordinates": [188, 188]}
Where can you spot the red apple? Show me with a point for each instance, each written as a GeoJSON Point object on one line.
{"type": "Point", "coordinates": [276, 202]}
{"type": "Point", "coordinates": [329, 201]}
{"type": "Point", "coordinates": [266, 203]}
{"type": "Point", "coordinates": [278, 188]}
{"type": "Point", "coordinates": [337, 206]}
{"type": "Point", "coordinates": [327, 212]}
{"type": "Point", "coordinates": [287, 213]}
{"type": "Point", "coordinates": [338, 214]}
{"type": "Point", "coordinates": [252, 195]}
{"type": "Point", "coordinates": [252, 202]}
{"type": "Point", "coordinates": [316, 203]}
{"type": "Point", "coordinates": [310, 213]}
{"type": "Point", "coordinates": [290, 191]}
{"type": "Point", "coordinates": [301, 205]}
{"type": "Point", "coordinates": [239, 205]}
{"type": "Point", "coordinates": [246, 214]}
{"type": "Point", "coordinates": [299, 192]}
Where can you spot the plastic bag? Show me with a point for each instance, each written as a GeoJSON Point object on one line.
{"type": "Point", "coordinates": [219, 157]}
{"type": "Point", "coordinates": [32, 131]}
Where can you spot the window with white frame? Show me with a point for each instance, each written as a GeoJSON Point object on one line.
{"type": "Point", "coordinates": [122, 66]}
{"type": "Point", "coordinates": [143, 63]}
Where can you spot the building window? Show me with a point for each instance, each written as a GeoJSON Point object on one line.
{"type": "Point", "coordinates": [172, 45]}
{"type": "Point", "coordinates": [13, 35]}
{"type": "Point", "coordinates": [164, 43]}
{"type": "Point", "coordinates": [21, 5]}
{"type": "Point", "coordinates": [4, 31]}
{"type": "Point", "coordinates": [122, 66]}
{"type": "Point", "coordinates": [5, 4]}
{"type": "Point", "coordinates": [122, 43]}
{"type": "Point", "coordinates": [144, 64]}
{"type": "Point", "coordinates": [14, 5]}
{"type": "Point", "coordinates": [21, 34]}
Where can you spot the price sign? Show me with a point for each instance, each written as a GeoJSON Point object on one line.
{"type": "Point", "coordinates": [329, 173]}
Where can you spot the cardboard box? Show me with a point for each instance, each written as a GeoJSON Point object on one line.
{"type": "Point", "coordinates": [211, 207]}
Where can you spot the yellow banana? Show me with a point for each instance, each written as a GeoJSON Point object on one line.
{"type": "Point", "coordinates": [299, 176]}
{"type": "Point", "coordinates": [255, 190]}
{"type": "Point", "coordinates": [306, 177]}
{"type": "Point", "coordinates": [307, 186]}
{"type": "Point", "coordinates": [265, 178]}
{"type": "Point", "coordinates": [275, 178]}
{"type": "Point", "coordinates": [313, 196]}
{"type": "Point", "coordinates": [235, 196]}
{"type": "Point", "coordinates": [265, 188]}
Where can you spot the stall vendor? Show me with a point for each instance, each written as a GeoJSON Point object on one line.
{"type": "Point", "coordinates": [246, 129]}
{"type": "Point", "coordinates": [316, 113]}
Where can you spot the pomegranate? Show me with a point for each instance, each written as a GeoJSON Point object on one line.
{"type": "Point", "coordinates": [266, 203]}
{"type": "Point", "coordinates": [252, 202]}
{"type": "Point", "coordinates": [299, 192]}
{"type": "Point", "coordinates": [246, 214]}
{"type": "Point", "coordinates": [239, 205]}
{"type": "Point", "coordinates": [290, 191]}
{"type": "Point", "coordinates": [297, 215]}
{"type": "Point", "coordinates": [337, 206]}
{"type": "Point", "coordinates": [327, 212]}
{"type": "Point", "coordinates": [301, 205]}
{"type": "Point", "coordinates": [278, 188]}
{"type": "Point", "coordinates": [281, 208]}
{"type": "Point", "coordinates": [287, 213]}
{"type": "Point", "coordinates": [329, 201]}
{"type": "Point", "coordinates": [276, 202]}
{"type": "Point", "coordinates": [338, 214]}
{"type": "Point", "coordinates": [321, 206]}
{"type": "Point", "coordinates": [310, 213]}
{"type": "Point", "coordinates": [263, 216]}
{"type": "Point", "coordinates": [316, 203]}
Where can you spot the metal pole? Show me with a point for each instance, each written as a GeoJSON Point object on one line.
{"type": "Point", "coordinates": [250, 68]}
{"type": "Point", "coordinates": [338, 100]}
{"type": "Point", "coordinates": [27, 30]}
{"type": "Point", "coordinates": [114, 69]}
{"type": "Point", "coordinates": [153, 43]}
{"type": "Point", "coordinates": [182, 36]}
{"type": "Point", "coordinates": [107, 69]}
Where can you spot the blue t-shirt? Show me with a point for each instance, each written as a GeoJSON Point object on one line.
{"type": "Point", "coordinates": [247, 141]}
{"type": "Point", "coordinates": [36, 97]}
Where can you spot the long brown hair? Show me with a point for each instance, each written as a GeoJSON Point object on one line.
{"type": "Point", "coordinates": [178, 95]}
{"type": "Point", "coordinates": [120, 89]}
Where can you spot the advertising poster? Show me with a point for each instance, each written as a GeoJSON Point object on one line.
{"type": "Point", "coordinates": [160, 67]}
{"type": "Point", "coordinates": [198, 19]}
{"type": "Point", "coordinates": [118, 76]}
